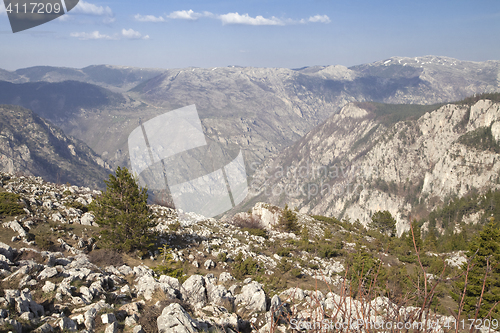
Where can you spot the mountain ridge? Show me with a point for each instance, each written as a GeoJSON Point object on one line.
{"type": "Point", "coordinates": [374, 165]}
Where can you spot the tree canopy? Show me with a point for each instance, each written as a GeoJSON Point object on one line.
{"type": "Point", "coordinates": [384, 222]}
{"type": "Point", "coordinates": [123, 214]}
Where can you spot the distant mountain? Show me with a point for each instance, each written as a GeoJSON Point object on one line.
{"type": "Point", "coordinates": [260, 110]}
{"type": "Point", "coordinates": [118, 77]}
{"type": "Point", "coordinates": [407, 159]}
{"type": "Point", "coordinates": [59, 102]}
{"type": "Point", "coordinates": [32, 146]}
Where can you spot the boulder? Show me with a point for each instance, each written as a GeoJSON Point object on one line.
{"type": "Point", "coordinates": [252, 297]}
{"type": "Point", "coordinates": [194, 292]}
{"type": "Point", "coordinates": [87, 219]}
{"type": "Point", "coordinates": [175, 319]}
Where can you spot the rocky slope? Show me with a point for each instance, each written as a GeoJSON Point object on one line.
{"type": "Point", "coordinates": [372, 157]}
{"type": "Point", "coordinates": [32, 146]}
{"type": "Point", "coordinates": [67, 288]}
{"type": "Point", "coordinates": [259, 110]}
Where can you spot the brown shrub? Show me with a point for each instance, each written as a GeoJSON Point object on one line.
{"type": "Point", "coordinates": [250, 222]}
{"type": "Point", "coordinates": [106, 257]}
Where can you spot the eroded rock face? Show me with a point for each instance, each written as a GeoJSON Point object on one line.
{"type": "Point", "coordinates": [252, 297]}
{"type": "Point", "coordinates": [175, 319]}
{"type": "Point", "coordinates": [345, 166]}
{"type": "Point", "coordinates": [194, 292]}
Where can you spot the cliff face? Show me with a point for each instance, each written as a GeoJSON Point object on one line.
{"type": "Point", "coordinates": [260, 110]}
{"type": "Point", "coordinates": [32, 146]}
{"type": "Point", "coordinates": [372, 157]}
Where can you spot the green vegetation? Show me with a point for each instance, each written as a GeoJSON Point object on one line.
{"type": "Point", "coordinates": [384, 222]}
{"type": "Point", "coordinates": [122, 213]}
{"type": "Point", "coordinates": [483, 279]}
{"type": "Point", "coordinates": [494, 97]}
{"type": "Point", "coordinates": [256, 232]}
{"type": "Point", "coordinates": [480, 139]}
{"type": "Point", "coordinates": [389, 114]}
{"type": "Point", "coordinates": [10, 205]}
{"type": "Point", "coordinates": [77, 205]}
{"type": "Point", "coordinates": [168, 266]}
{"type": "Point", "coordinates": [241, 267]}
{"type": "Point", "coordinates": [288, 220]}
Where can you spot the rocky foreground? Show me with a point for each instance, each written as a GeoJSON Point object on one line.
{"type": "Point", "coordinates": [69, 288]}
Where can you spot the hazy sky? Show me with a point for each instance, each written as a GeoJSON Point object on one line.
{"type": "Point", "coordinates": [260, 33]}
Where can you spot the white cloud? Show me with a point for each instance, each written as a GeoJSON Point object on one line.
{"type": "Point", "coordinates": [235, 18]}
{"type": "Point", "coordinates": [319, 19]}
{"type": "Point", "coordinates": [91, 35]}
{"type": "Point", "coordinates": [231, 18]}
{"type": "Point", "coordinates": [148, 18]}
{"type": "Point", "coordinates": [84, 7]}
{"type": "Point", "coordinates": [188, 15]}
{"type": "Point", "coordinates": [132, 34]}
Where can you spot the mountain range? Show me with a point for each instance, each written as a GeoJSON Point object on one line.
{"type": "Point", "coordinates": [262, 111]}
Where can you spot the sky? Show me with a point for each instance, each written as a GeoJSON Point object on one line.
{"type": "Point", "coordinates": [258, 33]}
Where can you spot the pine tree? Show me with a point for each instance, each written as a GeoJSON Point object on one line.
{"type": "Point", "coordinates": [123, 214]}
{"type": "Point", "coordinates": [288, 220]}
{"type": "Point", "coordinates": [487, 245]}
{"type": "Point", "coordinates": [384, 222]}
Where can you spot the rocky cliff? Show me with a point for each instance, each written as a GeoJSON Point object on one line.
{"type": "Point", "coordinates": [32, 146]}
{"type": "Point", "coordinates": [260, 110]}
{"type": "Point", "coordinates": [372, 157]}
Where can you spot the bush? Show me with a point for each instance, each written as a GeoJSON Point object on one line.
{"type": "Point", "coordinates": [106, 257]}
{"type": "Point", "coordinates": [244, 267]}
{"type": "Point", "coordinates": [250, 222]}
{"type": "Point", "coordinates": [283, 252]}
{"type": "Point", "coordinates": [44, 242]}
{"type": "Point", "coordinates": [284, 266]}
{"type": "Point", "coordinates": [295, 272]}
{"type": "Point", "coordinates": [10, 205]}
{"type": "Point", "coordinates": [168, 266]}
{"type": "Point", "coordinates": [77, 205]}
{"type": "Point", "coordinates": [328, 251]}
{"type": "Point", "coordinates": [222, 257]}
{"type": "Point", "coordinates": [123, 214]}
{"type": "Point", "coordinates": [256, 232]}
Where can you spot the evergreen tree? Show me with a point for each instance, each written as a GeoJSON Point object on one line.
{"type": "Point", "coordinates": [123, 214]}
{"type": "Point", "coordinates": [487, 245]}
{"type": "Point", "coordinates": [384, 222]}
{"type": "Point", "coordinates": [288, 220]}
{"type": "Point", "coordinates": [418, 237]}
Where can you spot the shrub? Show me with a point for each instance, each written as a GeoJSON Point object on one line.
{"type": "Point", "coordinates": [175, 226]}
{"type": "Point", "coordinates": [328, 251]}
{"type": "Point", "coordinates": [106, 257]}
{"type": "Point", "coordinates": [123, 214]}
{"type": "Point", "coordinates": [44, 242]}
{"type": "Point", "coordinates": [222, 257]}
{"type": "Point", "coordinates": [77, 205]}
{"type": "Point", "coordinates": [283, 252]}
{"type": "Point", "coordinates": [295, 272]}
{"type": "Point", "coordinates": [284, 266]}
{"type": "Point", "coordinates": [10, 205]}
{"type": "Point", "coordinates": [169, 266]}
{"type": "Point", "coordinates": [256, 232]}
{"type": "Point", "coordinates": [250, 222]}
{"type": "Point", "coordinates": [244, 267]}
